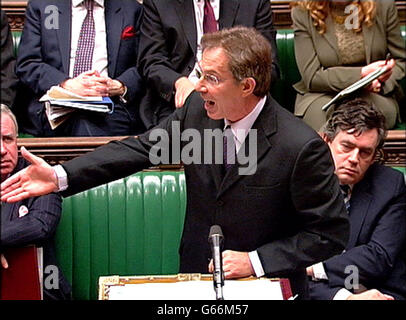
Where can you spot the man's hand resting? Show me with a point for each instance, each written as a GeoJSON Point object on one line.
{"type": "Point", "coordinates": [3, 262]}
{"type": "Point", "coordinates": [236, 264]}
{"type": "Point", "coordinates": [184, 87]}
{"type": "Point", "coordinates": [372, 294]}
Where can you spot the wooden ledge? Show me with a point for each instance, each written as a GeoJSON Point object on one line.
{"type": "Point", "coordinates": [58, 150]}
{"type": "Point", "coordinates": [393, 152]}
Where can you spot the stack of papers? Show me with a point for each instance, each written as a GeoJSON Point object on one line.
{"type": "Point", "coordinates": [261, 289]}
{"type": "Point", "coordinates": [60, 103]}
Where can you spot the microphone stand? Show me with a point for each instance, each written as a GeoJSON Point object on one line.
{"type": "Point", "coordinates": [215, 239]}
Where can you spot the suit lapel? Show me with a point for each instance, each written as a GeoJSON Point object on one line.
{"type": "Point", "coordinates": [114, 16]}
{"type": "Point", "coordinates": [7, 209]}
{"type": "Point", "coordinates": [186, 14]}
{"type": "Point", "coordinates": [265, 125]}
{"type": "Point", "coordinates": [331, 37]}
{"type": "Point", "coordinates": [360, 202]}
{"type": "Point", "coordinates": [368, 33]}
{"type": "Point", "coordinates": [228, 11]}
{"type": "Point", "coordinates": [64, 34]}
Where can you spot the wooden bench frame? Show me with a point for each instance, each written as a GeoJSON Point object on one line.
{"type": "Point", "coordinates": [58, 150]}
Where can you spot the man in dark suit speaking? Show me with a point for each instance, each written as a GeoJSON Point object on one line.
{"type": "Point", "coordinates": [277, 219]}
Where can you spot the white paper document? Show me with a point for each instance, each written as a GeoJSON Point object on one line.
{"type": "Point", "coordinates": [362, 83]}
{"type": "Point", "coordinates": [60, 103]}
{"type": "Point", "coordinates": [61, 94]}
{"type": "Point", "coordinates": [261, 289]}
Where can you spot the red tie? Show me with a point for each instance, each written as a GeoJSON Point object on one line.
{"type": "Point", "coordinates": [209, 21]}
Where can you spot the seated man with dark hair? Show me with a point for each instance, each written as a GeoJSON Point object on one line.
{"type": "Point", "coordinates": [375, 198]}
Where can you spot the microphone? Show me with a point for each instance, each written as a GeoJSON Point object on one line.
{"type": "Point", "coordinates": [215, 240]}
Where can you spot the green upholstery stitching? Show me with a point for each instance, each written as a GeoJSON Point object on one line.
{"type": "Point", "coordinates": [131, 226]}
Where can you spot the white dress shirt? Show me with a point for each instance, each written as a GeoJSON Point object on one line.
{"type": "Point", "coordinates": [100, 60]}
{"type": "Point", "coordinates": [241, 128]}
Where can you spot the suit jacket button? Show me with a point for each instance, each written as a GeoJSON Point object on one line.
{"type": "Point", "coordinates": [220, 203]}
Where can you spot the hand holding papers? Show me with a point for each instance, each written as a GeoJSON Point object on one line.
{"type": "Point", "coordinates": [362, 83]}
{"type": "Point", "coordinates": [60, 103]}
{"type": "Point", "coordinates": [373, 76]}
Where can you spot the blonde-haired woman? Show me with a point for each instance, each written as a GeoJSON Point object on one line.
{"type": "Point", "coordinates": [338, 42]}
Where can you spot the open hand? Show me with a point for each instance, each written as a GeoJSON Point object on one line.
{"type": "Point", "coordinates": [35, 180]}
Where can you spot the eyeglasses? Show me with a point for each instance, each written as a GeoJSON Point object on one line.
{"type": "Point", "coordinates": [210, 78]}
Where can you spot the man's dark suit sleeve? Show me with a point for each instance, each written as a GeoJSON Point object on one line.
{"type": "Point", "coordinates": [8, 78]}
{"type": "Point", "coordinates": [320, 290]}
{"type": "Point", "coordinates": [115, 160]}
{"type": "Point", "coordinates": [127, 56]}
{"type": "Point", "coordinates": [32, 69]}
{"type": "Point", "coordinates": [38, 225]}
{"type": "Point", "coordinates": [154, 58]}
{"type": "Point", "coordinates": [375, 258]}
{"type": "Point", "coordinates": [324, 226]}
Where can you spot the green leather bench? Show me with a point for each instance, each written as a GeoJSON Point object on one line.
{"type": "Point", "coordinates": [131, 226]}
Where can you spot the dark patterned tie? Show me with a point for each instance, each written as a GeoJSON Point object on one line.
{"type": "Point", "coordinates": [84, 51]}
{"type": "Point", "coordinates": [345, 190]}
{"type": "Point", "coordinates": [228, 148]}
{"type": "Point", "coordinates": [209, 20]}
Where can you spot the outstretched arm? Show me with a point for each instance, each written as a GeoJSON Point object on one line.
{"type": "Point", "coordinates": [35, 180]}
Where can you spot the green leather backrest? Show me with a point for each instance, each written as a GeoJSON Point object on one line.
{"type": "Point", "coordinates": [131, 226]}
{"type": "Point", "coordinates": [16, 40]}
{"type": "Point", "coordinates": [282, 90]}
